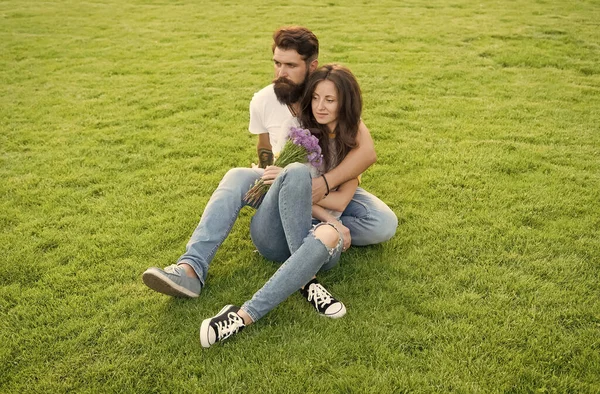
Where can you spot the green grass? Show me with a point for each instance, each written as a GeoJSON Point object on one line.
{"type": "Point", "coordinates": [118, 119]}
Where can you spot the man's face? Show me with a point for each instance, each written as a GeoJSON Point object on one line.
{"type": "Point", "coordinates": [290, 75]}
{"type": "Point", "coordinates": [289, 64]}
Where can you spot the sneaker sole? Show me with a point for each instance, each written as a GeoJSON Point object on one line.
{"type": "Point", "coordinates": [204, 333]}
{"type": "Point", "coordinates": [204, 341]}
{"type": "Point", "coordinates": [338, 314]}
{"type": "Point", "coordinates": [157, 281]}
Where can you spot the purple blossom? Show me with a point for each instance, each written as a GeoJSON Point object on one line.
{"type": "Point", "coordinates": [305, 139]}
{"type": "Point", "coordinates": [315, 159]}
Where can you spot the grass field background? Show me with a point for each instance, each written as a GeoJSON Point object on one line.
{"type": "Point", "coordinates": [118, 119]}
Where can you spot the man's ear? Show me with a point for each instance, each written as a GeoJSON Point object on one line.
{"type": "Point", "coordinates": [313, 65]}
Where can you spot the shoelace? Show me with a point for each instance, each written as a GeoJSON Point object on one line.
{"type": "Point", "coordinates": [320, 296]}
{"type": "Point", "coordinates": [170, 269]}
{"type": "Point", "coordinates": [227, 328]}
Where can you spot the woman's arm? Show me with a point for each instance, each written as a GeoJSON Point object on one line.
{"type": "Point", "coordinates": [338, 200]}
{"type": "Point", "coordinates": [354, 164]}
{"type": "Point", "coordinates": [321, 214]}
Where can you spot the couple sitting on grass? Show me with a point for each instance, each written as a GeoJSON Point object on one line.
{"type": "Point", "coordinates": [310, 214]}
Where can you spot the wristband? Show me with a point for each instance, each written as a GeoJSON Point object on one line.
{"type": "Point", "coordinates": [326, 184]}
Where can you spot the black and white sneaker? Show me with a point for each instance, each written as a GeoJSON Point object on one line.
{"type": "Point", "coordinates": [221, 326]}
{"type": "Point", "coordinates": [322, 300]}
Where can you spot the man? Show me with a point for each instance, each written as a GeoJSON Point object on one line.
{"type": "Point", "coordinates": [295, 53]}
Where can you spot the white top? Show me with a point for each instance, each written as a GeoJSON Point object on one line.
{"type": "Point", "coordinates": [283, 133]}
{"type": "Point", "coordinates": [267, 114]}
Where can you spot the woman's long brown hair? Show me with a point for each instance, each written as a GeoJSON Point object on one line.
{"type": "Point", "coordinates": [349, 111]}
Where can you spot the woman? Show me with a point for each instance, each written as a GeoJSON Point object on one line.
{"type": "Point", "coordinates": [282, 228]}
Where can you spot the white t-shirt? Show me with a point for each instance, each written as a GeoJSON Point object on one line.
{"type": "Point", "coordinates": [283, 133]}
{"type": "Point", "coordinates": [267, 114]}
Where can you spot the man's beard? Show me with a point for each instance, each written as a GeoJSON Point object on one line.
{"type": "Point", "coordinates": [288, 92]}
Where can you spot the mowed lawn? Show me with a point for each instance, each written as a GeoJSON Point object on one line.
{"type": "Point", "coordinates": [119, 118]}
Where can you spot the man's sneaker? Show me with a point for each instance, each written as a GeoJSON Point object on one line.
{"type": "Point", "coordinates": [322, 300]}
{"type": "Point", "coordinates": [221, 326]}
{"type": "Point", "coordinates": [172, 281]}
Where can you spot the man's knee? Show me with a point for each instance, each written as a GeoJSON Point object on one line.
{"type": "Point", "coordinates": [240, 175]}
{"type": "Point", "coordinates": [379, 226]}
{"type": "Point", "coordinates": [387, 226]}
{"type": "Point", "coordinates": [240, 172]}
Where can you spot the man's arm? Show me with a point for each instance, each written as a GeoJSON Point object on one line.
{"type": "Point", "coordinates": [264, 150]}
{"type": "Point", "coordinates": [355, 163]}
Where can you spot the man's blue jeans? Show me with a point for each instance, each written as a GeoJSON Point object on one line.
{"type": "Point", "coordinates": [369, 220]}
{"type": "Point", "coordinates": [218, 218]}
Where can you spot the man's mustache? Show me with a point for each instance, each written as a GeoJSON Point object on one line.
{"type": "Point", "coordinates": [283, 80]}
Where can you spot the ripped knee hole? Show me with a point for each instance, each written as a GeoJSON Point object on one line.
{"type": "Point", "coordinates": [327, 234]}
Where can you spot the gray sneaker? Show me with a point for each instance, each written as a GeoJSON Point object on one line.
{"type": "Point", "coordinates": [172, 281]}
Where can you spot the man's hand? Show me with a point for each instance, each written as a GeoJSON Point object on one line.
{"type": "Point", "coordinates": [318, 189]}
{"type": "Point", "coordinates": [345, 234]}
{"type": "Point", "coordinates": [270, 174]}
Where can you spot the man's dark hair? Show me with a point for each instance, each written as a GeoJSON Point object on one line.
{"type": "Point", "coordinates": [299, 39]}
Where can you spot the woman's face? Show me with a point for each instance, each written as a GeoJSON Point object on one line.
{"type": "Point", "coordinates": [325, 104]}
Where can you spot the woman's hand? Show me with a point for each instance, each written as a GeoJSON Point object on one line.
{"type": "Point", "coordinates": [270, 174]}
{"type": "Point", "coordinates": [345, 234]}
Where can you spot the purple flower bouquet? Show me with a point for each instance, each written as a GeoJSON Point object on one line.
{"type": "Point", "coordinates": [301, 147]}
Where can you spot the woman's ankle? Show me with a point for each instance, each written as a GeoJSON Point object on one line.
{"type": "Point", "coordinates": [246, 317]}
